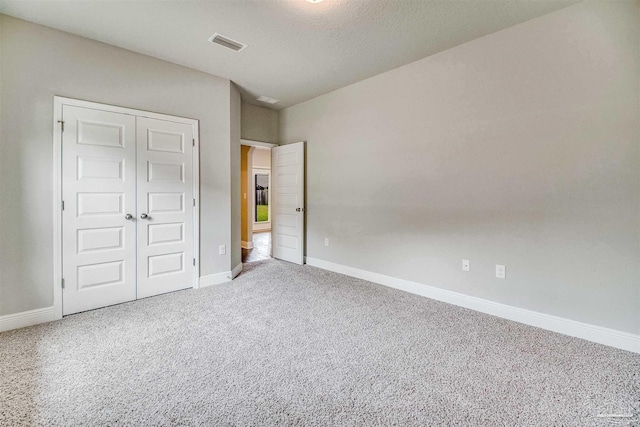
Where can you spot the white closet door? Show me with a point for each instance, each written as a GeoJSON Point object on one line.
{"type": "Point", "coordinates": [165, 206]}
{"type": "Point", "coordinates": [287, 177]}
{"type": "Point", "coordinates": [99, 181]}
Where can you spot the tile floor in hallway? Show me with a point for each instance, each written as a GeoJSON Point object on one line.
{"type": "Point", "coordinates": [261, 248]}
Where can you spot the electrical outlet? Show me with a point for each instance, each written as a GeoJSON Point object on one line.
{"type": "Point", "coordinates": [465, 265]}
{"type": "Point", "coordinates": [326, 241]}
{"type": "Point", "coordinates": [501, 271]}
{"type": "Point", "coordinates": [222, 249]}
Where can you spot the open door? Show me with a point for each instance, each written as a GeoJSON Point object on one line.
{"type": "Point", "coordinates": [287, 197]}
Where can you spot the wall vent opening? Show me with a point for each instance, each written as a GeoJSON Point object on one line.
{"type": "Point", "coordinates": [225, 41]}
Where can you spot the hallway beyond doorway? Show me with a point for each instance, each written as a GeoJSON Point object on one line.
{"type": "Point", "coordinates": [261, 248]}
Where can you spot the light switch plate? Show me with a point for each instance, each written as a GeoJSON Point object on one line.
{"type": "Point", "coordinates": [501, 271]}
{"type": "Point", "coordinates": [465, 265]}
{"type": "Point", "coordinates": [222, 249]}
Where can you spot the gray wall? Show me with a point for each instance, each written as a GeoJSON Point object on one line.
{"type": "Point", "coordinates": [38, 63]}
{"type": "Point", "coordinates": [259, 124]}
{"type": "Point", "coordinates": [520, 148]}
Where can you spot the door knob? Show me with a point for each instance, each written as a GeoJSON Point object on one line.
{"type": "Point", "coordinates": [128, 217]}
{"type": "Point", "coordinates": [298, 209]}
{"type": "Point", "coordinates": [145, 216]}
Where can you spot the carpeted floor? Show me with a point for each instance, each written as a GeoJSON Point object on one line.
{"type": "Point", "coordinates": [294, 345]}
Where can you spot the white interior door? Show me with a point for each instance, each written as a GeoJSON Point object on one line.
{"type": "Point", "coordinates": [287, 179]}
{"type": "Point", "coordinates": [165, 206]}
{"type": "Point", "coordinates": [98, 192]}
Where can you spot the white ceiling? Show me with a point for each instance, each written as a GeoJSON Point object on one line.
{"type": "Point", "coordinates": [297, 50]}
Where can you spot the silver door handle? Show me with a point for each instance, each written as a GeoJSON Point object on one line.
{"type": "Point", "coordinates": [145, 216]}
{"type": "Point", "coordinates": [128, 217]}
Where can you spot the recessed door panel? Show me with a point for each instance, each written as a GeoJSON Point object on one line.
{"type": "Point", "coordinates": [104, 133]}
{"type": "Point", "coordinates": [288, 180]}
{"type": "Point", "coordinates": [287, 242]}
{"type": "Point", "coordinates": [287, 199]}
{"type": "Point", "coordinates": [159, 234]}
{"type": "Point", "coordinates": [288, 221]}
{"type": "Point", "coordinates": [166, 264]}
{"type": "Point", "coordinates": [165, 202]}
{"type": "Point", "coordinates": [165, 141]}
{"type": "Point", "coordinates": [288, 158]}
{"type": "Point", "coordinates": [100, 168]}
{"type": "Point", "coordinates": [165, 172]}
{"type": "Point", "coordinates": [100, 204]}
{"type": "Point", "coordinates": [102, 274]}
{"type": "Point", "coordinates": [100, 239]}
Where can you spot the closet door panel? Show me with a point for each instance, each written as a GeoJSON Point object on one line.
{"type": "Point", "coordinates": [165, 206]}
{"type": "Point", "coordinates": [98, 190]}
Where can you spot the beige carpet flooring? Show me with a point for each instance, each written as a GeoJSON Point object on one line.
{"type": "Point", "coordinates": [287, 345]}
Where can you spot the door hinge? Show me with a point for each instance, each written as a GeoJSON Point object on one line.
{"type": "Point", "coordinates": [61, 125]}
{"type": "Point", "coordinates": [194, 262]}
{"type": "Point", "coordinates": [62, 283]}
{"type": "Point", "coordinates": [193, 142]}
{"type": "Point", "coordinates": [194, 202]}
{"type": "Point", "coordinates": [63, 205]}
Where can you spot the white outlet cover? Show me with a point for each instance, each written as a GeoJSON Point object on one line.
{"type": "Point", "coordinates": [465, 265]}
{"type": "Point", "coordinates": [501, 271]}
{"type": "Point", "coordinates": [222, 249]}
{"type": "Point", "coordinates": [326, 241]}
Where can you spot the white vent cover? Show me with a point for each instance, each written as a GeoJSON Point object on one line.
{"type": "Point", "coordinates": [225, 41]}
{"type": "Point", "coordinates": [268, 100]}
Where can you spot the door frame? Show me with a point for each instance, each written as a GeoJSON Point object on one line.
{"type": "Point", "coordinates": [58, 102]}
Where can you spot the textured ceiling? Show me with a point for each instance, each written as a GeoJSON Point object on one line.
{"type": "Point", "coordinates": [297, 50]}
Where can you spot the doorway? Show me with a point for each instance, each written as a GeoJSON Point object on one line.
{"type": "Point", "coordinates": [282, 209]}
{"type": "Point", "coordinates": [255, 166]}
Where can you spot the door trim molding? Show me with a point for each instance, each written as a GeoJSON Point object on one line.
{"type": "Point", "coordinates": [58, 102]}
{"type": "Point", "coordinates": [259, 144]}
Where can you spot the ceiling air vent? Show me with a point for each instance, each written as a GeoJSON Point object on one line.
{"type": "Point", "coordinates": [227, 42]}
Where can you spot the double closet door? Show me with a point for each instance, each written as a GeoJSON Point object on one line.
{"type": "Point", "coordinates": [128, 207]}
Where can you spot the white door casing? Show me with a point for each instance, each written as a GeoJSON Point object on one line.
{"type": "Point", "coordinates": [165, 206]}
{"type": "Point", "coordinates": [99, 176]}
{"type": "Point", "coordinates": [287, 179]}
{"type": "Point", "coordinates": [110, 162]}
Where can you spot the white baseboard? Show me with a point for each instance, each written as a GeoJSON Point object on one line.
{"type": "Point", "coordinates": [26, 318]}
{"type": "Point", "coordinates": [215, 279]}
{"type": "Point", "coordinates": [247, 245]}
{"type": "Point", "coordinates": [598, 334]}
{"type": "Point", "coordinates": [262, 226]}
{"type": "Point", "coordinates": [236, 270]}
